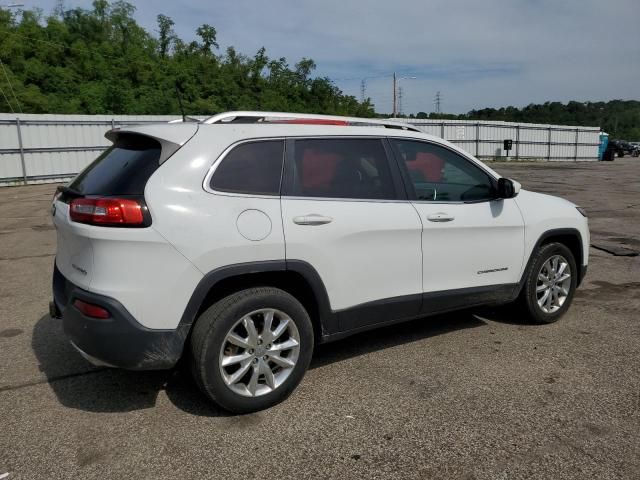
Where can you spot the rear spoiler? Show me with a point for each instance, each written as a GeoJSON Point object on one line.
{"type": "Point", "coordinates": [170, 139]}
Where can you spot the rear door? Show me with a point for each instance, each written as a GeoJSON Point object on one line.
{"type": "Point", "coordinates": [473, 243]}
{"type": "Point", "coordinates": [346, 214]}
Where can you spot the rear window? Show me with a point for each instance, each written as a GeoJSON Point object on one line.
{"type": "Point", "coordinates": [253, 168]}
{"type": "Point", "coordinates": [123, 169]}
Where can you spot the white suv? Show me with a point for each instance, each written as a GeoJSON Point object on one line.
{"type": "Point", "coordinates": [242, 241]}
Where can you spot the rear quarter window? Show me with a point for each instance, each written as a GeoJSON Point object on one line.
{"type": "Point", "coordinates": [252, 168]}
{"type": "Point", "coordinates": [123, 169]}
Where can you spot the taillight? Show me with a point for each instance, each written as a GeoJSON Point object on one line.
{"type": "Point", "coordinates": [91, 310]}
{"type": "Point", "coordinates": [106, 211]}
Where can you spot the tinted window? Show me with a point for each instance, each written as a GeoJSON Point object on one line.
{"type": "Point", "coordinates": [342, 168]}
{"type": "Point", "coordinates": [123, 169]}
{"type": "Point", "coordinates": [253, 168]}
{"type": "Point", "coordinates": [439, 174]}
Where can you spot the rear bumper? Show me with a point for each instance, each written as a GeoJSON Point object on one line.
{"type": "Point", "coordinates": [119, 341]}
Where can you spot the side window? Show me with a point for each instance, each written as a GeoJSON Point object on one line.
{"type": "Point", "coordinates": [439, 174]}
{"type": "Point", "coordinates": [342, 168]}
{"type": "Point", "coordinates": [253, 168]}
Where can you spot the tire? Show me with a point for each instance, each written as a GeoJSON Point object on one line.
{"type": "Point", "coordinates": [210, 346]}
{"type": "Point", "coordinates": [529, 296]}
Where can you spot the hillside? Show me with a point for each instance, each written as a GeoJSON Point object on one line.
{"type": "Point", "coordinates": [101, 61]}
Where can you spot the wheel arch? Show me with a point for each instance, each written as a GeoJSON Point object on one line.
{"type": "Point", "coordinates": [297, 278]}
{"type": "Point", "coordinates": [569, 237]}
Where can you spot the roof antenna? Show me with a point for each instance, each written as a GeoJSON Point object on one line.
{"type": "Point", "coordinates": [184, 117]}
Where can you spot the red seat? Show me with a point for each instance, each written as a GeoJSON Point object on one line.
{"type": "Point", "coordinates": [318, 169]}
{"type": "Point", "coordinates": [429, 165]}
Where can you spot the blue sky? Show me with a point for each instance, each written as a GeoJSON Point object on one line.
{"type": "Point", "coordinates": [477, 53]}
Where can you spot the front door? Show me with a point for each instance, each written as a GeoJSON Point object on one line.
{"type": "Point", "coordinates": [473, 244]}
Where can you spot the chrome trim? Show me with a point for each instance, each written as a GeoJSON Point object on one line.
{"type": "Point", "coordinates": [221, 157]}
{"type": "Point", "coordinates": [225, 152]}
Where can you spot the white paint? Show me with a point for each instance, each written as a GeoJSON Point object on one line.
{"type": "Point", "coordinates": [370, 250]}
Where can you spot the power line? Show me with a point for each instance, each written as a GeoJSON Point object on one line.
{"type": "Point", "coordinates": [10, 86]}
{"type": "Point", "coordinates": [7, 100]}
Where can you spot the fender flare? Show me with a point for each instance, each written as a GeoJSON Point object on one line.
{"type": "Point", "coordinates": [328, 321]}
{"type": "Point", "coordinates": [574, 232]}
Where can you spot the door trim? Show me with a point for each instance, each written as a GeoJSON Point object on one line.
{"type": "Point", "coordinates": [399, 309]}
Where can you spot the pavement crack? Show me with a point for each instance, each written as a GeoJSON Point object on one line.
{"type": "Point", "coordinates": [57, 378]}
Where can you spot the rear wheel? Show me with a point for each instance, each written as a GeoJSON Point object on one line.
{"type": "Point", "coordinates": [550, 284]}
{"type": "Point", "coordinates": [251, 349]}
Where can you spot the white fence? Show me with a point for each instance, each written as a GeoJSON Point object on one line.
{"type": "Point", "coordinates": [53, 148]}
{"type": "Point", "coordinates": [531, 141]}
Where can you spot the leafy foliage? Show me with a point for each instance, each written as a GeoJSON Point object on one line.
{"type": "Point", "coordinates": [100, 61]}
{"type": "Point", "coordinates": [619, 118]}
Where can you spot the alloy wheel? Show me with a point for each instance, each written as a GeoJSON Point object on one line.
{"type": "Point", "coordinates": [259, 352]}
{"type": "Point", "coordinates": [553, 284]}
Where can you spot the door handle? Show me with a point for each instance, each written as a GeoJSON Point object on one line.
{"type": "Point", "coordinates": [440, 217]}
{"type": "Point", "coordinates": [312, 219]}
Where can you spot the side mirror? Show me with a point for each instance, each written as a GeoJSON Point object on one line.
{"type": "Point", "coordinates": [508, 188]}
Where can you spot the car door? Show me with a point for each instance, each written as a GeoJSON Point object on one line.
{"type": "Point", "coordinates": [472, 243]}
{"type": "Point", "coordinates": [345, 213]}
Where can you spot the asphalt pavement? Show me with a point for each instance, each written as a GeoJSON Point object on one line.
{"type": "Point", "coordinates": [470, 395]}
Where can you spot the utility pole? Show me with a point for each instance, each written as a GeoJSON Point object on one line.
{"type": "Point", "coordinates": [437, 101]}
{"type": "Point", "coordinates": [395, 91]}
{"type": "Point", "coordinates": [394, 94]}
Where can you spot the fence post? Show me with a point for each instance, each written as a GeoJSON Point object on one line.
{"type": "Point", "coordinates": [113, 124]}
{"type": "Point", "coordinates": [549, 146]}
{"type": "Point", "coordinates": [24, 168]}
{"type": "Point", "coordinates": [477, 138]}
{"type": "Point", "coordinates": [517, 142]}
{"type": "Point", "coordinates": [442, 131]}
{"type": "Point", "coordinates": [575, 155]}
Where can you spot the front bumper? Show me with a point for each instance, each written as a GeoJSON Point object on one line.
{"type": "Point", "coordinates": [119, 341]}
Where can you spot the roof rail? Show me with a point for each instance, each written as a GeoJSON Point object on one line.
{"type": "Point", "coordinates": [304, 118]}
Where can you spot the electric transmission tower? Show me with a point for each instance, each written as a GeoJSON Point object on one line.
{"type": "Point", "coordinates": [400, 92]}
{"type": "Point", "coordinates": [437, 101]}
{"type": "Point", "coordinates": [363, 90]}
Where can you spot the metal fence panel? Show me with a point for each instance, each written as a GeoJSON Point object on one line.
{"type": "Point", "coordinates": [530, 141]}
{"type": "Point", "coordinates": [56, 147]}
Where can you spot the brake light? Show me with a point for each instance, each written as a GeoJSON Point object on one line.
{"type": "Point", "coordinates": [313, 121]}
{"type": "Point", "coordinates": [106, 211]}
{"type": "Point", "coordinates": [91, 310]}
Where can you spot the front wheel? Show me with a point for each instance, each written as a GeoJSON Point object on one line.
{"type": "Point", "coordinates": [251, 349]}
{"type": "Point", "coordinates": [550, 284]}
